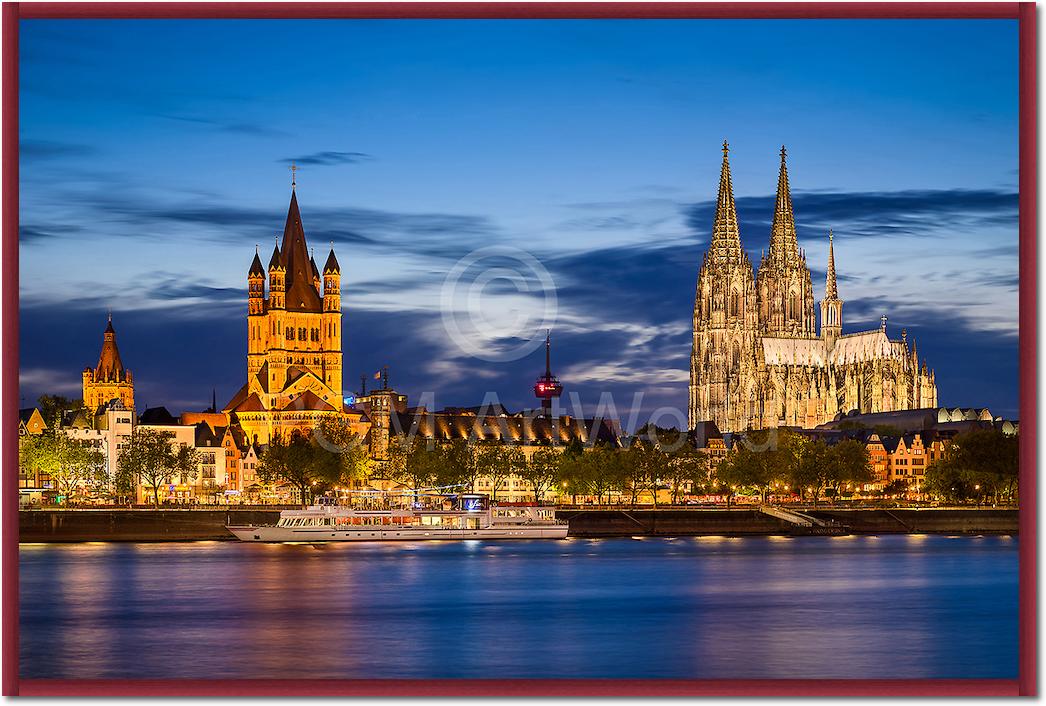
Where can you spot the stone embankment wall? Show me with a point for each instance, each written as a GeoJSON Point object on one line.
{"type": "Point", "coordinates": [188, 525]}
{"type": "Point", "coordinates": [934, 520]}
{"type": "Point", "coordinates": [135, 525]}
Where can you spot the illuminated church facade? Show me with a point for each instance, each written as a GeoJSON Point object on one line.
{"type": "Point", "coordinates": [758, 360]}
{"type": "Point", "coordinates": [294, 340]}
{"type": "Point", "coordinates": [108, 380]}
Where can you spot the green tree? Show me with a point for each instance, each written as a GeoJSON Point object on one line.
{"type": "Point", "coordinates": [413, 463]}
{"type": "Point", "coordinates": [687, 470]}
{"type": "Point", "coordinates": [753, 463]}
{"type": "Point", "coordinates": [456, 465]}
{"type": "Point", "coordinates": [603, 471]}
{"type": "Point", "coordinates": [53, 407]}
{"type": "Point", "coordinates": [574, 472]}
{"type": "Point", "coordinates": [349, 448]}
{"type": "Point", "coordinates": [542, 471]}
{"type": "Point", "coordinates": [302, 462]}
{"type": "Point", "coordinates": [150, 459]}
{"type": "Point", "coordinates": [806, 464]}
{"type": "Point", "coordinates": [70, 463]}
{"type": "Point", "coordinates": [978, 464]}
{"type": "Point", "coordinates": [649, 464]}
{"type": "Point", "coordinates": [497, 462]}
{"type": "Point", "coordinates": [852, 463]}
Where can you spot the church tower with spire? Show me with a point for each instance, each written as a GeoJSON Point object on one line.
{"type": "Point", "coordinates": [786, 298]}
{"type": "Point", "coordinates": [294, 339]}
{"type": "Point", "coordinates": [831, 305]}
{"type": "Point", "coordinates": [722, 359]}
{"type": "Point", "coordinates": [108, 380]}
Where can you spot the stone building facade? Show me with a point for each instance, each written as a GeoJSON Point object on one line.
{"type": "Point", "coordinates": [758, 360]}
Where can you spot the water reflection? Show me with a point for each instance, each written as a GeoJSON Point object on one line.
{"type": "Point", "coordinates": [710, 607]}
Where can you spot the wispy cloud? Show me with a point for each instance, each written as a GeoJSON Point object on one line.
{"type": "Point", "coordinates": [251, 129]}
{"type": "Point", "coordinates": [52, 149]}
{"type": "Point", "coordinates": [139, 214]}
{"type": "Point", "coordinates": [237, 127]}
{"type": "Point", "coordinates": [56, 381]}
{"type": "Point", "coordinates": [173, 287]}
{"type": "Point", "coordinates": [873, 213]}
{"type": "Point", "coordinates": [329, 159]}
{"type": "Point", "coordinates": [32, 233]}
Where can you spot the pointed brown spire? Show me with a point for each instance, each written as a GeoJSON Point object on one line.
{"type": "Point", "coordinates": [332, 262]}
{"type": "Point", "coordinates": [256, 266]}
{"type": "Point", "coordinates": [830, 290]}
{"type": "Point", "coordinates": [110, 367]}
{"type": "Point", "coordinates": [275, 262]}
{"type": "Point", "coordinates": [301, 292]}
{"type": "Point", "coordinates": [726, 236]}
{"type": "Point", "coordinates": [783, 242]}
{"type": "Point", "coordinates": [312, 262]}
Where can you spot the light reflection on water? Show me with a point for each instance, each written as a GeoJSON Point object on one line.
{"type": "Point", "coordinates": [716, 607]}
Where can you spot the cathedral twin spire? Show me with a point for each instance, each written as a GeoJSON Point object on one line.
{"type": "Point", "coordinates": [726, 235]}
{"type": "Point", "coordinates": [784, 245]}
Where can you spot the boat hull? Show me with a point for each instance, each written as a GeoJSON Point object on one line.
{"type": "Point", "coordinates": [393, 534]}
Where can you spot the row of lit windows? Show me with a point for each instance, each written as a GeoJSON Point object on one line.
{"type": "Point", "coordinates": [301, 333]}
{"type": "Point", "coordinates": [313, 334]}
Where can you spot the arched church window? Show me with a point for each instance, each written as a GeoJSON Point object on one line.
{"type": "Point", "coordinates": [290, 334]}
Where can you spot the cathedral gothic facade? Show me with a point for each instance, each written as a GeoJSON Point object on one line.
{"type": "Point", "coordinates": [758, 360]}
{"type": "Point", "coordinates": [294, 341]}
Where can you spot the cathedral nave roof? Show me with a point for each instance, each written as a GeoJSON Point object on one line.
{"type": "Point", "coordinates": [862, 347]}
{"type": "Point", "coordinates": [794, 351]}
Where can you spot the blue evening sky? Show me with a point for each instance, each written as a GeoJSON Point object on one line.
{"type": "Point", "coordinates": [154, 157]}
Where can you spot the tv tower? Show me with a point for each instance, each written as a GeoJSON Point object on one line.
{"type": "Point", "coordinates": [548, 385]}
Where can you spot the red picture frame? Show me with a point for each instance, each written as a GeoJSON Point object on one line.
{"type": "Point", "coordinates": [1024, 685]}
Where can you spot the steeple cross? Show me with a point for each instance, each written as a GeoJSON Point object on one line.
{"type": "Point", "coordinates": [294, 174]}
{"type": "Point", "coordinates": [883, 319]}
{"type": "Point", "coordinates": [726, 147]}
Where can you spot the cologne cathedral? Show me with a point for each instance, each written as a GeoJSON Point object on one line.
{"type": "Point", "coordinates": [758, 360]}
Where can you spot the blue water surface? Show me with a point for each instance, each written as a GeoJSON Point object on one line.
{"type": "Point", "coordinates": [715, 607]}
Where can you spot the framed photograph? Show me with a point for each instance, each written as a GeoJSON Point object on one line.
{"type": "Point", "coordinates": [519, 349]}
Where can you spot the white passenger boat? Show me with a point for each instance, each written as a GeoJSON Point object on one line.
{"type": "Point", "coordinates": [461, 517]}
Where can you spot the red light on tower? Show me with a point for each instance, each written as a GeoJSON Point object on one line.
{"type": "Point", "coordinates": [547, 386]}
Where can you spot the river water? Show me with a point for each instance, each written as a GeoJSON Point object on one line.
{"type": "Point", "coordinates": [766, 607]}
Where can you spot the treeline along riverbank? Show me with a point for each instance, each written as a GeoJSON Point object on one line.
{"type": "Point", "coordinates": [56, 525]}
